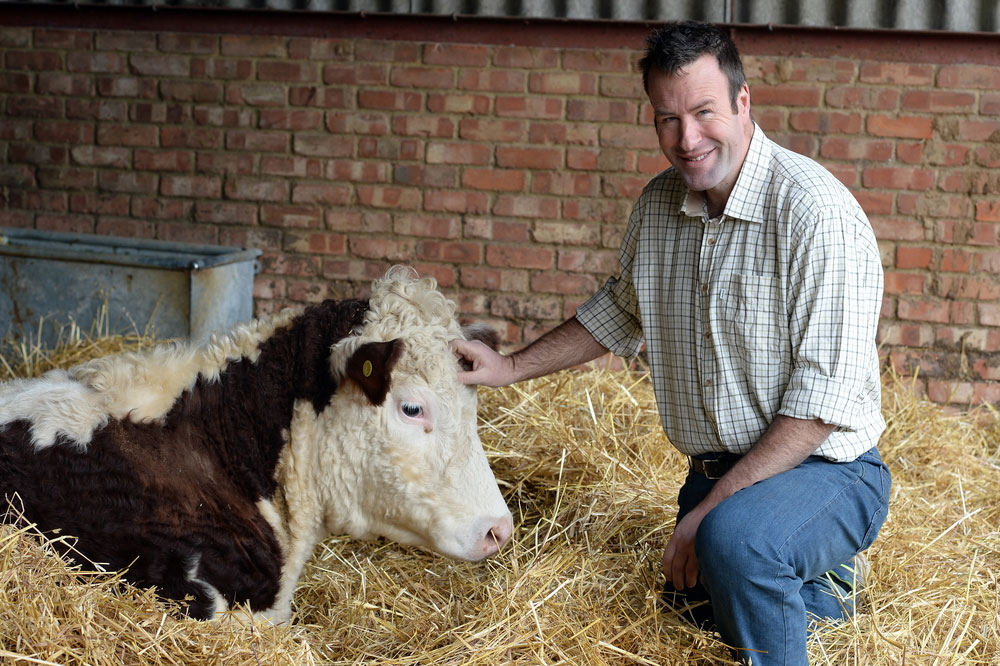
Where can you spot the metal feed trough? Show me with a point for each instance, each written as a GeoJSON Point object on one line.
{"type": "Point", "coordinates": [173, 290]}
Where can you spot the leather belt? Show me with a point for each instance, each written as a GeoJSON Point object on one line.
{"type": "Point", "coordinates": [713, 468]}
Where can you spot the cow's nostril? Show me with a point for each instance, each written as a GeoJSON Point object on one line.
{"type": "Point", "coordinates": [500, 533]}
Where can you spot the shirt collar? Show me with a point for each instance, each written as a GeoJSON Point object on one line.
{"type": "Point", "coordinates": [744, 200]}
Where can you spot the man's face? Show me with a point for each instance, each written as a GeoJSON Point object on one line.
{"type": "Point", "coordinates": [698, 131]}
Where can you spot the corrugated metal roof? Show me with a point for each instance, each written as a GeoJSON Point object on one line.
{"type": "Point", "coordinates": [951, 15]}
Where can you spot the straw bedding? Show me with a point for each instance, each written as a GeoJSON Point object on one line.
{"type": "Point", "coordinates": [592, 481]}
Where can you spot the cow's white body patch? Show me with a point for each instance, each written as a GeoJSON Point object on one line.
{"type": "Point", "coordinates": [54, 405]}
{"type": "Point", "coordinates": [219, 604]}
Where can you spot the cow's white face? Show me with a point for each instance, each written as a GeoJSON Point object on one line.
{"type": "Point", "coordinates": [420, 473]}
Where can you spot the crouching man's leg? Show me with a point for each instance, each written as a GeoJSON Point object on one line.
{"type": "Point", "coordinates": [764, 553]}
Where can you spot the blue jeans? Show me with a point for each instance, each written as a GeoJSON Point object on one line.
{"type": "Point", "coordinates": [762, 553]}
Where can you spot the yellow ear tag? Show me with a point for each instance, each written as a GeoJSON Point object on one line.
{"type": "Point", "coordinates": [366, 369]}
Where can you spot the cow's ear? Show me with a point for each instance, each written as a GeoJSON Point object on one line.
{"type": "Point", "coordinates": [482, 332]}
{"type": "Point", "coordinates": [370, 367]}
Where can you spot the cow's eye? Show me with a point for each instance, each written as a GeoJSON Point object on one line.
{"type": "Point", "coordinates": [411, 409]}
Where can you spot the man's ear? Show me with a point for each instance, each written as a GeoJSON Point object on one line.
{"type": "Point", "coordinates": [370, 367]}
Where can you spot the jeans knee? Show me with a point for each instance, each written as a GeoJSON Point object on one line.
{"type": "Point", "coordinates": [726, 544]}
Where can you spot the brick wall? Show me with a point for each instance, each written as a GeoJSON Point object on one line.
{"type": "Point", "coordinates": [502, 157]}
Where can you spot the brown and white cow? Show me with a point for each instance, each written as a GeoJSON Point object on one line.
{"type": "Point", "coordinates": [212, 471]}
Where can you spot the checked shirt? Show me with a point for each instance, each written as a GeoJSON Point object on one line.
{"type": "Point", "coordinates": [771, 308]}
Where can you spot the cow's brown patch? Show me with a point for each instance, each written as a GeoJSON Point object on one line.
{"type": "Point", "coordinates": [177, 500]}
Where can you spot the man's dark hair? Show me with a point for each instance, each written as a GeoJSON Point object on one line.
{"type": "Point", "coordinates": [678, 44]}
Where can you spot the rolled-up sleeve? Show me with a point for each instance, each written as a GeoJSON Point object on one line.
{"type": "Point", "coordinates": [836, 282]}
{"type": "Point", "coordinates": [612, 314]}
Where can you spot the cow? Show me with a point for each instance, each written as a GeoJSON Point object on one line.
{"type": "Point", "coordinates": [211, 471]}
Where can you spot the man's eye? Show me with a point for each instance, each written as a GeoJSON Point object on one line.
{"type": "Point", "coordinates": [411, 409]}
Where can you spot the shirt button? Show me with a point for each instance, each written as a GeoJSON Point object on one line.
{"type": "Point", "coordinates": [704, 289]}
{"type": "Point", "coordinates": [708, 382]}
{"type": "Point", "coordinates": [711, 241]}
{"type": "Point", "coordinates": [708, 335]}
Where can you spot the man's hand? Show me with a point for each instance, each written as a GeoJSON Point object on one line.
{"type": "Point", "coordinates": [680, 564]}
{"type": "Point", "coordinates": [488, 367]}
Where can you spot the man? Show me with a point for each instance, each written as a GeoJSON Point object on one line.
{"type": "Point", "coordinates": [754, 279]}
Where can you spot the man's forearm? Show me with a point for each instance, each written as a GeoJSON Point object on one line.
{"type": "Point", "coordinates": [565, 346]}
{"type": "Point", "coordinates": [786, 443]}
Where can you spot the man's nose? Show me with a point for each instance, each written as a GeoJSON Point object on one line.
{"type": "Point", "coordinates": [690, 135]}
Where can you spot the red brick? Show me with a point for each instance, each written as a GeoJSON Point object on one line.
{"type": "Point", "coordinates": [285, 165]}
{"type": "Point", "coordinates": [456, 202]}
{"type": "Point", "coordinates": [423, 126]}
{"type": "Point", "coordinates": [49, 83]}
{"type": "Point", "coordinates": [938, 101]}
{"type": "Point", "coordinates": [842, 148]}
{"type": "Point", "coordinates": [256, 94]}
{"type": "Point", "coordinates": [903, 127]}
{"type": "Point", "coordinates": [316, 242]}
{"type": "Point", "coordinates": [973, 288]}
{"type": "Point", "coordinates": [913, 257]}
{"type": "Point", "coordinates": [390, 148]}
{"type": "Point", "coordinates": [453, 103]}
{"type": "Point", "coordinates": [956, 261]}
{"type": "Point", "coordinates": [825, 123]}
{"type": "Point", "coordinates": [173, 42]}
{"type": "Point", "coordinates": [323, 145]}
{"type": "Point", "coordinates": [254, 46]}
{"type": "Point", "coordinates": [358, 123]}
{"type": "Point", "coordinates": [898, 178]}
{"type": "Point", "coordinates": [422, 77]}
{"type": "Point", "coordinates": [404, 198]}
{"type": "Point", "coordinates": [946, 391]}
{"type": "Point", "coordinates": [426, 176]}
{"type": "Point", "coordinates": [601, 262]}
{"type": "Point", "coordinates": [187, 137]}
{"type": "Point", "coordinates": [225, 163]}
{"type": "Point", "coordinates": [904, 283]}
{"type": "Point", "coordinates": [159, 65]}
{"type": "Point", "coordinates": [104, 63]}
{"type": "Point", "coordinates": [924, 310]}
{"type": "Point", "coordinates": [132, 181]}
{"type": "Point", "coordinates": [566, 233]}
{"type": "Point", "coordinates": [526, 206]}
{"type": "Point", "coordinates": [863, 97]}
{"type": "Point", "coordinates": [813, 70]}
{"type": "Point", "coordinates": [621, 136]}
{"type": "Point", "coordinates": [562, 83]}
{"type": "Point", "coordinates": [324, 98]}
{"type": "Point", "coordinates": [563, 283]}
{"type": "Point", "coordinates": [988, 156]}
{"type": "Point", "coordinates": [229, 69]}
{"type": "Point", "coordinates": [128, 135]}
{"type": "Point", "coordinates": [225, 212]}
{"type": "Point", "coordinates": [508, 180]}
{"type": "Point", "coordinates": [126, 86]}
{"type": "Point", "coordinates": [875, 203]}
{"type": "Point", "coordinates": [390, 100]}
{"type": "Point", "coordinates": [102, 204]}
{"type": "Point", "coordinates": [529, 158]}
{"type": "Point", "coordinates": [988, 211]}
{"type": "Point", "coordinates": [785, 95]}
{"type": "Point", "coordinates": [522, 57]}
{"type": "Point", "coordinates": [161, 209]}
{"type": "Point", "coordinates": [499, 131]}
{"type": "Point", "coordinates": [550, 108]}
{"type": "Point", "coordinates": [296, 120]}
{"type": "Point", "coordinates": [526, 307]}
{"type": "Point", "coordinates": [989, 104]}
{"type": "Point", "coordinates": [618, 111]}
{"type": "Point", "coordinates": [517, 256]}
{"type": "Point", "coordinates": [126, 41]}
{"type": "Point", "coordinates": [64, 132]}
{"type": "Point", "coordinates": [386, 51]}
{"type": "Point", "coordinates": [34, 107]}
{"type": "Point", "coordinates": [901, 74]}
{"type": "Point", "coordinates": [564, 183]}
{"type": "Point", "coordinates": [910, 153]}
{"type": "Point", "coordinates": [324, 194]}
{"type": "Point", "coordinates": [629, 87]}
{"type": "Point", "coordinates": [128, 227]}
{"type": "Point", "coordinates": [256, 189]}
{"type": "Point", "coordinates": [458, 153]}
{"type": "Point", "coordinates": [207, 187]}
{"type": "Point", "coordinates": [969, 76]}
{"type": "Point", "coordinates": [359, 172]}
{"type": "Point", "coordinates": [166, 160]}
{"type": "Point", "coordinates": [460, 252]}
{"type": "Point", "coordinates": [187, 233]}
{"type": "Point", "coordinates": [308, 48]}
{"type": "Point", "coordinates": [287, 71]}
{"type": "Point", "coordinates": [978, 130]}
{"type": "Point", "coordinates": [80, 224]}
{"type": "Point", "coordinates": [100, 156]}
{"type": "Point", "coordinates": [383, 248]}
{"type": "Point", "coordinates": [492, 80]}
{"type": "Point", "coordinates": [427, 226]}
{"type": "Point", "coordinates": [201, 92]}
{"type": "Point", "coordinates": [34, 60]}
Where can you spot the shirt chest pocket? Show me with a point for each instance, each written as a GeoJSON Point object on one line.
{"type": "Point", "coordinates": [757, 327]}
